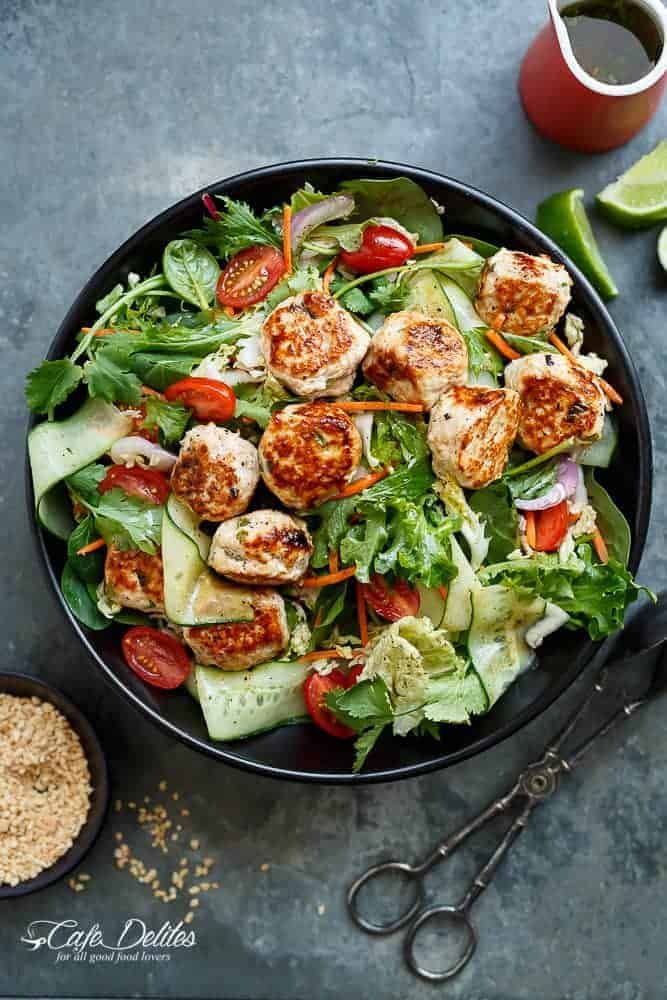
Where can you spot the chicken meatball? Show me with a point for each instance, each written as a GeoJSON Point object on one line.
{"type": "Point", "coordinates": [414, 357]}
{"type": "Point", "coordinates": [216, 472]}
{"type": "Point", "coordinates": [471, 431]}
{"type": "Point", "coordinates": [560, 400]}
{"type": "Point", "coordinates": [312, 345]}
{"type": "Point", "coordinates": [261, 547]}
{"type": "Point", "coordinates": [240, 645]}
{"type": "Point", "coordinates": [308, 453]}
{"type": "Point", "coordinates": [134, 579]}
{"type": "Point", "coordinates": [522, 293]}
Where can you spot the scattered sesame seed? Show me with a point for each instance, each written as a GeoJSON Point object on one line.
{"type": "Point", "coordinates": [162, 787]}
{"type": "Point", "coordinates": [194, 903]}
{"type": "Point", "coordinates": [189, 917]}
{"type": "Point", "coordinates": [321, 909]}
{"type": "Point", "coordinates": [194, 844]}
{"type": "Point", "coordinates": [264, 867]}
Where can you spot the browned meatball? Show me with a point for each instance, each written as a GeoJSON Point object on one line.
{"type": "Point", "coordinates": [134, 579]}
{"type": "Point", "coordinates": [240, 645]}
{"type": "Point", "coordinates": [308, 453]}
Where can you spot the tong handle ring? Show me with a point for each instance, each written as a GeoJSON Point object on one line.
{"type": "Point", "coordinates": [405, 872]}
{"type": "Point", "coordinates": [454, 915]}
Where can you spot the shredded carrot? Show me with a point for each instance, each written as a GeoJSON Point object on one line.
{"type": "Point", "coordinates": [361, 613]}
{"type": "Point", "coordinates": [443, 591]}
{"type": "Point", "coordinates": [329, 273]}
{"type": "Point", "coordinates": [427, 248]}
{"type": "Point", "coordinates": [333, 561]}
{"type": "Point", "coordinates": [106, 330]}
{"type": "Point", "coordinates": [608, 390]}
{"type": "Point", "coordinates": [99, 543]}
{"type": "Point", "coordinates": [318, 618]}
{"type": "Point", "coordinates": [531, 531]}
{"type": "Point", "coordinates": [327, 579]}
{"type": "Point", "coordinates": [501, 345]}
{"type": "Point", "coordinates": [287, 237]}
{"type": "Point", "coordinates": [358, 406]}
{"type": "Point", "coordinates": [324, 654]}
{"type": "Point", "coordinates": [359, 485]}
{"type": "Point", "coordinates": [600, 546]}
{"type": "Point", "coordinates": [497, 321]}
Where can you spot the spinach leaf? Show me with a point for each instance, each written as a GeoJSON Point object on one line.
{"type": "Point", "coordinates": [90, 567]}
{"type": "Point", "coordinates": [533, 483]}
{"type": "Point", "coordinates": [79, 601]}
{"type": "Point", "coordinates": [494, 506]}
{"type": "Point", "coordinates": [613, 525]}
{"type": "Point", "coordinates": [191, 271]}
{"type": "Point", "coordinates": [328, 607]}
{"type": "Point", "coordinates": [109, 381]}
{"type": "Point", "coordinates": [50, 383]}
{"type": "Point", "coordinates": [400, 199]}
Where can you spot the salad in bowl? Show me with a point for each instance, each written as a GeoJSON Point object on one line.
{"type": "Point", "coordinates": [329, 463]}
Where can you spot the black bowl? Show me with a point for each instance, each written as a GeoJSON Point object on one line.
{"type": "Point", "coordinates": [302, 752]}
{"type": "Point", "coordinates": [25, 686]}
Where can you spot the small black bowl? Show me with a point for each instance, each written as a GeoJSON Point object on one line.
{"type": "Point", "coordinates": [302, 752]}
{"type": "Point", "coordinates": [25, 686]}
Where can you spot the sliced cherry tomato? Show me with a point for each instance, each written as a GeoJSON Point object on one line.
{"type": "Point", "coordinates": [381, 246]}
{"type": "Point", "coordinates": [209, 399]}
{"type": "Point", "coordinates": [550, 527]}
{"type": "Point", "coordinates": [147, 484]}
{"type": "Point", "coordinates": [156, 657]}
{"type": "Point", "coordinates": [314, 690]}
{"type": "Point", "coordinates": [391, 603]}
{"type": "Point", "coordinates": [250, 276]}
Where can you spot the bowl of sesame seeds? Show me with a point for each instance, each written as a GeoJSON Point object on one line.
{"type": "Point", "coordinates": [54, 785]}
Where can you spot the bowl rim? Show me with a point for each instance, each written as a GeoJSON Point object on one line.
{"type": "Point", "coordinates": [561, 683]}
{"type": "Point", "coordinates": [92, 826]}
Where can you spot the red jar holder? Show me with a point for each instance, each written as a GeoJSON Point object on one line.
{"type": "Point", "coordinates": [570, 107]}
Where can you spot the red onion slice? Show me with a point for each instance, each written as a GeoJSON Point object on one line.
{"type": "Point", "coordinates": [338, 206]}
{"type": "Point", "coordinates": [137, 450]}
{"type": "Point", "coordinates": [555, 496]}
{"type": "Point", "coordinates": [569, 474]}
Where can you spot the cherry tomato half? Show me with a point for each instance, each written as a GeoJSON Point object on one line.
{"type": "Point", "coordinates": [391, 603]}
{"type": "Point", "coordinates": [156, 657]}
{"type": "Point", "coordinates": [381, 246]}
{"type": "Point", "coordinates": [550, 527]}
{"type": "Point", "coordinates": [314, 690]}
{"type": "Point", "coordinates": [147, 484]}
{"type": "Point", "coordinates": [250, 276]}
{"type": "Point", "coordinates": [209, 399]}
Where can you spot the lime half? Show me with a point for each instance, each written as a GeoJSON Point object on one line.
{"type": "Point", "coordinates": [564, 219]}
{"type": "Point", "coordinates": [639, 196]}
{"type": "Point", "coordinates": [662, 248]}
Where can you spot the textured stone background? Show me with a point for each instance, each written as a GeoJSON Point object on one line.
{"type": "Point", "coordinates": [112, 111]}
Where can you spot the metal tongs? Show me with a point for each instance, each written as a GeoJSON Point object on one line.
{"type": "Point", "coordinates": [643, 649]}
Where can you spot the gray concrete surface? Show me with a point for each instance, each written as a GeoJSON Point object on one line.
{"type": "Point", "coordinates": [112, 111]}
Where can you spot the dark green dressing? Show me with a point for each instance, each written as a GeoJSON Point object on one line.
{"type": "Point", "coordinates": [615, 41]}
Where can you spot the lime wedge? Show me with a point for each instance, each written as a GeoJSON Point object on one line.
{"type": "Point", "coordinates": [662, 248]}
{"type": "Point", "coordinates": [564, 219]}
{"type": "Point", "coordinates": [639, 196]}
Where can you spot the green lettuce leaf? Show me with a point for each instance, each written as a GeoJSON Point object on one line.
{"type": "Point", "coordinates": [400, 199]}
{"type": "Point", "coordinates": [500, 519]}
{"type": "Point", "coordinates": [594, 594]}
